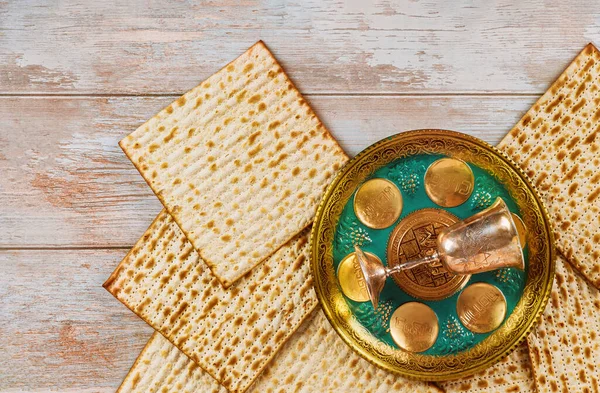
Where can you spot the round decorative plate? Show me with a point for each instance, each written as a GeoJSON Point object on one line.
{"type": "Point", "coordinates": [457, 351]}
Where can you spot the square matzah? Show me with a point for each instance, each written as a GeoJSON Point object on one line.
{"type": "Point", "coordinates": [240, 162]}
{"type": "Point", "coordinates": [565, 346]}
{"type": "Point", "coordinates": [557, 143]}
{"type": "Point", "coordinates": [314, 360]}
{"type": "Point", "coordinates": [231, 333]}
{"type": "Point", "coordinates": [513, 374]}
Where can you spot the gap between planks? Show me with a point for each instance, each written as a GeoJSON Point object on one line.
{"type": "Point", "coordinates": [92, 96]}
{"type": "Point", "coordinates": [175, 94]}
{"type": "Point", "coordinates": [65, 248]}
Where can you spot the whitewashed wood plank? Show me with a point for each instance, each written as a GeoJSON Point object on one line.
{"type": "Point", "coordinates": [65, 182]}
{"type": "Point", "coordinates": [59, 329]}
{"type": "Point", "coordinates": [143, 47]}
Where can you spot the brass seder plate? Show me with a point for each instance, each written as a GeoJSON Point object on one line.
{"type": "Point", "coordinates": [539, 274]}
{"type": "Point", "coordinates": [414, 237]}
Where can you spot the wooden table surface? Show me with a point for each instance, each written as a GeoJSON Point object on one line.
{"type": "Point", "coordinates": [77, 76]}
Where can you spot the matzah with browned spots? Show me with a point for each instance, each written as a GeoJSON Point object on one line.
{"type": "Point", "coordinates": [565, 346]}
{"type": "Point", "coordinates": [231, 333]}
{"type": "Point", "coordinates": [557, 143]}
{"type": "Point", "coordinates": [511, 375]}
{"type": "Point", "coordinates": [240, 162]}
{"type": "Point", "coordinates": [315, 359]}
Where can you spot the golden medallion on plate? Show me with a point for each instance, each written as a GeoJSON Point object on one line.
{"type": "Point", "coordinates": [414, 327]}
{"type": "Point", "coordinates": [415, 237]}
{"type": "Point", "coordinates": [378, 203]}
{"type": "Point", "coordinates": [351, 279]}
{"type": "Point", "coordinates": [449, 182]}
{"type": "Point", "coordinates": [481, 307]}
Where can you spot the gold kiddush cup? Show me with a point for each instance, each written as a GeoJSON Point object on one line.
{"type": "Point", "coordinates": [485, 241]}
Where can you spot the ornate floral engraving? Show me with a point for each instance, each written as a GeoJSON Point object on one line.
{"type": "Point", "coordinates": [350, 233]}
{"type": "Point", "coordinates": [486, 192]}
{"type": "Point", "coordinates": [455, 338]}
{"type": "Point", "coordinates": [377, 321]}
{"type": "Point", "coordinates": [408, 175]}
{"type": "Point", "coordinates": [508, 278]}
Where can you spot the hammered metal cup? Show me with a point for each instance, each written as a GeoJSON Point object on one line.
{"type": "Point", "coordinates": [485, 241]}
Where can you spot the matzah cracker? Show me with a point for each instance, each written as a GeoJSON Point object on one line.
{"type": "Point", "coordinates": [510, 375]}
{"type": "Point", "coordinates": [557, 143]}
{"type": "Point", "coordinates": [231, 333]}
{"type": "Point", "coordinates": [315, 359]}
{"type": "Point", "coordinates": [240, 162]}
{"type": "Point", "coordinates": [565, 346]}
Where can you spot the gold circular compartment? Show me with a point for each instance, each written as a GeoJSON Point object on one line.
{"type": "Point", "coordinates": [414, 327]}
{"type": "Point", "coordinates": [449, 182]}
{"type": "Point", "coordinates": [540, 270]}
{"type": "Point", "coordinates": [378, 203]}
{"type": "Point", "coordinates": [481, 307]}
{"type": "Point", "coordinates": [351, 280]}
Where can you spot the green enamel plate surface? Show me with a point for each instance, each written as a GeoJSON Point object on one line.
{"type": "Point", "coordinates": [408, 174]}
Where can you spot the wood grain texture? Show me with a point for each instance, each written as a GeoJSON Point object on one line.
{"type": "Point", "coordinates": [66, 183]}
{"type": "Point", "coordinates": [59, 328]}
{"type": "Point", "coordinates": [76, 76]}
{"type": "Point", "coordinates": [140, 47]}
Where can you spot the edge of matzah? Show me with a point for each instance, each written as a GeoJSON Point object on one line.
{"type": "Point", "coordinates": [538, 342]}
{"type": "Point", "coordinates": [499, 377]}
{"type": "Point", "coordinates": [557, 84]}
{"type": "Point", "coordinates": [316, 330]}
{"type": "Point", "coordinates": [224, 282]}
{"type": "Point", "coordinates": [116, 271]}
{"type": "Point", "coordinates": [285, 339]}
{"type": "Point", "coordinates": [266, 359]}
{"type": "Point", "coordinates": [289, 79]}
{"type": "Point", "coordinates": [137, 361]}
{"type": "Point", "coordinates": [159, 196]}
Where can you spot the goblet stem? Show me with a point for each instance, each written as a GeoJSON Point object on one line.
{"type": "Point", "coordinates": [375, 273]}
{"type": "Point", "coordinates": [412, 263]}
